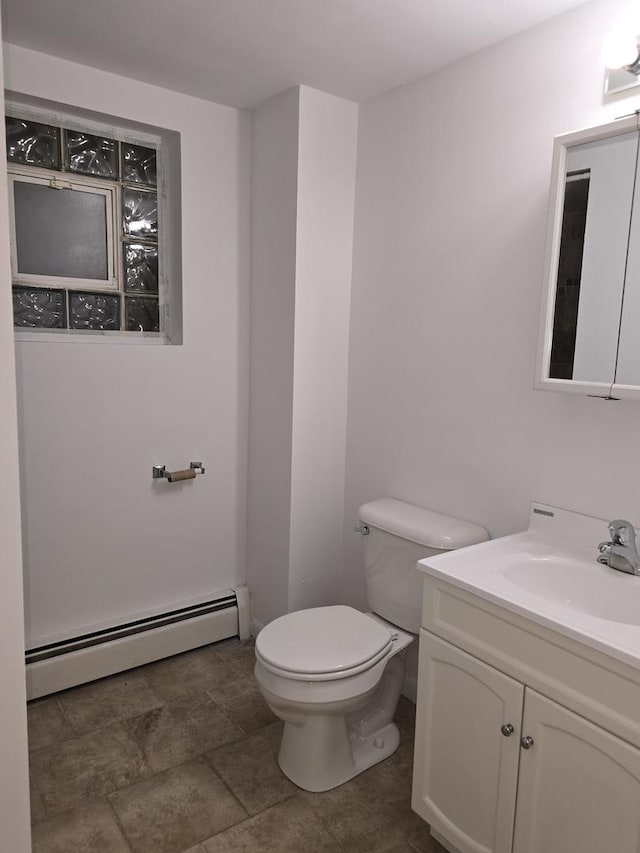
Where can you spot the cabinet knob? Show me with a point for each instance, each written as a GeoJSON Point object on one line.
{"type": "Point", "coordinates": [507, 729]}
{"type": "Point", "coordinates": [526, 742]}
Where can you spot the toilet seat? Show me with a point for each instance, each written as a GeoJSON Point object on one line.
{"type": "Point", "coordinates": [321, 690]}
{"type": "Point", "coordinates": [322, 644]}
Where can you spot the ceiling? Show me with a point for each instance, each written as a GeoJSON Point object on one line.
{"type": "Point", "coordinates": [240, 52]}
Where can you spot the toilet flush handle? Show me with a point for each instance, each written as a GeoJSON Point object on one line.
{"type": "Point", "coordinates": [363, 529]}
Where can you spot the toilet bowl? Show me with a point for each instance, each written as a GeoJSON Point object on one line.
{"type": "Point", "coordinates": [334, 674]}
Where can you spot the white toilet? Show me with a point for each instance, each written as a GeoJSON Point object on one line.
{"type": "Point", "coordinates": [334, 674]}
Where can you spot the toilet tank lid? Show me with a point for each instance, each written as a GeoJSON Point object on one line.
{"type": "Point", "coordinates": [421, 525]}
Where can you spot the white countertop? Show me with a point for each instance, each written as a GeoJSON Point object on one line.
{"type": "Point", "coordinates": [549, 574]}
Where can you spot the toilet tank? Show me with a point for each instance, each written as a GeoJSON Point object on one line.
{"type": "Point", "coordinates": [399, 535]}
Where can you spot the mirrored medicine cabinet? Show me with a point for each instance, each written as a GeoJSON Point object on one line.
{"type": "Point", "coordinates": [590, 326]}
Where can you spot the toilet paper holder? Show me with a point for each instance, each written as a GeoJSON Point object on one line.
{"type": "Point", "coordinates": [160, 472]}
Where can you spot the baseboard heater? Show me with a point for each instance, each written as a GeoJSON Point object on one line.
{"type": "Point", "coordinates": [95, 654]}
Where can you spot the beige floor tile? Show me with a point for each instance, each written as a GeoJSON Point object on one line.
{"type": "Point", "coordinates": [191, 672]}
{"type": "Point", "coordinates": [38, 811]}
{"type": "Point", "coordinates": [250, 769]}
{"type": "Point", "coordinates": [175, 809]}
{"type": "Point", "coordinates": [402, 759]}
{"type": "Point", "coordinates": [239, 656]}
{"type": "Point", "coordinates": [182, 729]}
{"type": "Point", "coordinates": [405, 717]}
{"type": "Point", "coordinates": [46, 722]}
{"type": "Point", "coordinates": [85, 767]}
{"type": "Point", "coordinates": [242, 702]}
{"type": "Point", "coordinates": [190, 720]}
{"type": "Point", "coordinates": [423, 842]}
{"type": "Point", "coordinates": [92, 706]}
{"type": "Point", "coordinates": [91, 828]}
{"type": "Point", "coordinates": [390, 838]}
{"type": "Point", "coordinates": [289, 827]}
{"type": "Point", "coordinates": [376, 799]}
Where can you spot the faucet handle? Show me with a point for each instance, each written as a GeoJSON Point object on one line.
{"type": "Point", "coordinates": [622, 532]}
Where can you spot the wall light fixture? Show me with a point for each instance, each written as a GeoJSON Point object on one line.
{"type": "Point", "coordinates": [621, 52]}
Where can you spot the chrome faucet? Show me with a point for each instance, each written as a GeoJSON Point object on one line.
{"type": "Point", "coordinates": [620, 552]}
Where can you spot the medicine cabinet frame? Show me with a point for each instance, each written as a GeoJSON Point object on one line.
{"type": "Point", "coordinates": [562, 145]}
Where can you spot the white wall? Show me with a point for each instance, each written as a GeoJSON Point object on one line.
{"type": "Point", "coordinates": [102, 540]}
{"type": "Point", "coordinates": [303, 184]}
{"type": "Point", "coordinates": [274, 181]}
{"type": "Point", "coordinates": [14, 780]}
{"type": "Point", "coordinates": [451, 206]}
{"type": "Point", "coordinates": [326, 194]}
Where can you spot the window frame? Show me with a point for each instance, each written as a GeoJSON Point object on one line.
{"type": "Point", "coordinates": [166, 144]}
{"type": "Point", "coordinates": [80, 183]}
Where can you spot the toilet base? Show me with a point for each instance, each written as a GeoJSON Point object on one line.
{"type": "Point", "coordinates": [337, 766]}
{"type": "Point", "coordinates": [320, 751]}
{"type": "Point", "coordinates": [376, 747]}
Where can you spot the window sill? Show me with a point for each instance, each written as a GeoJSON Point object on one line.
{"type": "Point", "coordinates": [47, 336]}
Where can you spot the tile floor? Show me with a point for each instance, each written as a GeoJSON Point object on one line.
{"type": "Point", "coordinates": [180, 756]}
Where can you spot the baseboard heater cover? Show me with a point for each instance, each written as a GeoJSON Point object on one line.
{"type": "Point", "coordinates": [57, 666]}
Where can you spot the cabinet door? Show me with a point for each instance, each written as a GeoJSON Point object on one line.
{"type": "Point", "coordinates": [579, 786]}
{"type": "Point", "coordinates": [465, 769]}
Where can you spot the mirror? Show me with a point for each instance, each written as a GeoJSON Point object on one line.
{"type": "Point", "coordinates": [590, 325]}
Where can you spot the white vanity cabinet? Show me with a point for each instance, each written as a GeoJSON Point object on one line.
{"type": "Point", "coordinates": [465, 769]}
{"type": "Point", "coordinates": [578, 785]}
{"type": "Point", "coordinates": [525, 742]}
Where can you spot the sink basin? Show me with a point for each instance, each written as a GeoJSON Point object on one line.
{"type": "Point", "coordinates": [589, 587]}
{"type": "Point", "coordinates": [550, 575]}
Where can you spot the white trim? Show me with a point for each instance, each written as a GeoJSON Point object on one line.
{"type": "Point", "coordinates": [63, 117]}
{"type": "Point", "coordinates": [66, 180]}
{"type": "Point", "coordinates": [78, 667]}
{"type": "Point", "coordinates": [243, 597]}
{"type": "Point", "coordinates": [542, 381]}
{"type": "Point", "coordinates": [93, 336]}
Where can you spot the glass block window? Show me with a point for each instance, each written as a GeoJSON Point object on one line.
{"type": "Point", "coordinates": [86, 251]}
{"type": "Point", "coordinates": [96, 311]}
{"type": "Point", "coordinates": [32, 143]}
{"type": "Point", "coordinates": [91, 155]}
{"type": "Point", "coordinates": [140, 213]}
{"type": "Point", "coordinates": [140, 268]}
{"type": "Point", "coordinates": [39, 308]}
{"type": "Point", "coordinates": [141, 314]}
{"type": "Point", "coordinates": [139, 165]}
